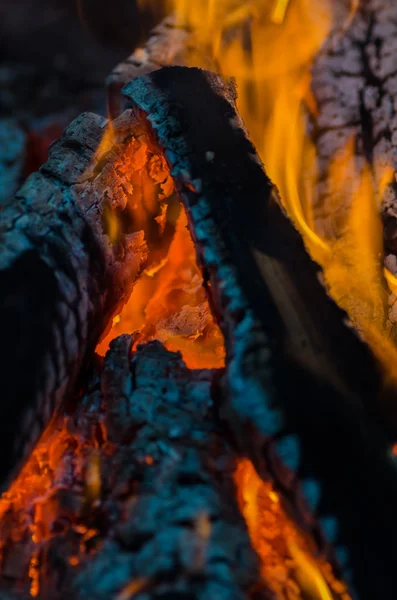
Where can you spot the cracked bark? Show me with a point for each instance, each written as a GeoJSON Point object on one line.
{"type": "Point", "coordinates": [158, 515]}
{"type": "Point", "coordinates": [295, 375]}
{"type": "Point", "coordinates": [62, 276]}
{"type": "Point", "coordinates": [354, 83]}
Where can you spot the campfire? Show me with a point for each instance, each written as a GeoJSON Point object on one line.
{"type": "Point", "coordinates": [199, 298]}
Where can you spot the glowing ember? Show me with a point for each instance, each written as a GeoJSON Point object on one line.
{"type": "Point", "coordinates": [169, 304]}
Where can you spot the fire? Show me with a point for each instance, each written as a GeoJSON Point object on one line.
{"type": "Point", "coordinates": [253, 42]}
{"type": "Point", "coordinates": [352, 261]}
{"type": "Point", "coordinates": [286, 553]}
{"type": "Point", "coordinates": [280, 9]}
{"type": "Point", "coordinates": [268, 46]}
{"type": "Point", "coordinates": [169, 304]}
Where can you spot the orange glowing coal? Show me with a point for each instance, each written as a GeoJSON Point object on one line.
{"type": "Point", "coordinates": [169, 304]}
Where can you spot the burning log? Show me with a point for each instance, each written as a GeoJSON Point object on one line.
{"type": "Point", "coordinates": [142, 503]}
{"type": "Point", "coordinates": [303, 393]}
{"type": "Point", "coordinates": [169, 43]}
{"type": "Point", "coordinates": [68, 265]}
{"type": "Point", "coordinates": [354, 82]}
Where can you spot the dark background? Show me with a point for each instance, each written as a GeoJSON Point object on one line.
{"type": "Point", "coordinates": [72, 43]}
{"type": "Point", "coordinates": [54, 58]}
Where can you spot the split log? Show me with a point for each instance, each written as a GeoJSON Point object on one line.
{"type": "Point", "coordinates": [142, 503]}
{"type": "Point", "coordinates": [303, 392]}
{"type": "Point", "coordinates": [72, 246]}
{"type": "Point", "coordinates": [354, 84]}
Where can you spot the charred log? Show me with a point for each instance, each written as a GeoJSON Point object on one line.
{"type": "Point", "coordinates": [66, 267]}
{"type": "Point", "coordinates": [354, 83]}
{"type": "Point", "coordinates": [170, 43]}
{"type": "Point", "coordinates": [143, 502]}
{"type": "Point", "coordinates": [301, 388]}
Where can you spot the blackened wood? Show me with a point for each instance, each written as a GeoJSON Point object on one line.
{"type": "Point", "coordinates": [62, 277]}
{"type": "Point", "coordinates": [354, 84]}
{"type": "Point", "coordinates": [160, 518]}
{"type": "Point", "coordinates": [296, 375]}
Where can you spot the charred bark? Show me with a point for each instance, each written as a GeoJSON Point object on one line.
{"type": "Point", "coordinates": [142, 503]}
{"type": "Point", "coordinates": [170, 43]}
{"type": "Point", "coordinates": [354, 83]}
{"type": "Point", "coordinates": [302, 390]}
{"type": "Point", "coordinates": [64, 271]}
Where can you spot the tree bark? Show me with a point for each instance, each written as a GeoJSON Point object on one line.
{"type": "Point", "coordinates": [299, 384]}
{"type": "Point", "coordinates": [64, 273]}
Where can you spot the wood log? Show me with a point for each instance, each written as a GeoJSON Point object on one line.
{"type": "Point", "coordinates": [141, 501]}
{"type": "Point", "coordinates": [303, 392]}
{"type": "Point", "coordinates": [66, 267]}
{"type": "Point", "coordinates": [168, 43]}
{"type": "Point", "coordinates": [354, 84]}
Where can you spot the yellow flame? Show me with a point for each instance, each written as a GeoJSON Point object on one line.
{"type": "Point", "coordinates": [285, 551]}
{"type": "Point", "coordinates": [280, 9]}
{"type": "Point", "coordinates": [308, 573]}
{"type": "Point", "coordinates": [108, 139]}
{"type": "Point", "coordinates": [132, 589]}
{"type": "Point", "coordinates": [271, 64]}
{"type": "Point", "coordinates": [93, 479]}
{"type": "Point", "coordinates": [269, 47]}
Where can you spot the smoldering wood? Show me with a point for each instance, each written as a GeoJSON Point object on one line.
{"type": "Point", "coordinates": [162, 509]}
{"type": "Point", "coordinates": [354, 84]}
{"type": "Point", "coordinates": [62, 277]}
{"type": "Point", "coordinates": [302, 390]}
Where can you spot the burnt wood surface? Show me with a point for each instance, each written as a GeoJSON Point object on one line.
{"type": "Point", "coordinates": [62, 276]}
{"type": "Point", "coordinates": [169, 43]}
{"type": "Point", "coordinates": [296, 373]}
{"type": "Point", "coordinates": [354, 84]}
{"type": "Point", "coordinates": [142, 502]}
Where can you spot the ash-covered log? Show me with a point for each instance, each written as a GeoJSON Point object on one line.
{"type": "Point", "coordinates": [302, 390]}
{"type": "Point", "coordinates": [73, 244]}
{"type": "Point", "coordinates": [141, 501]}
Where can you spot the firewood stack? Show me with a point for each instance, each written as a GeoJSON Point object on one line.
{"type": "Point", "coordinates": [131, 492]}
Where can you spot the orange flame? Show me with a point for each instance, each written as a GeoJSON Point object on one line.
{"type": "Point", "coordinates": [269, 47]}
{"type": "Point", "coordinates": [169, 304]}
{"type": "Point", "coordinates": [286, 553]}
